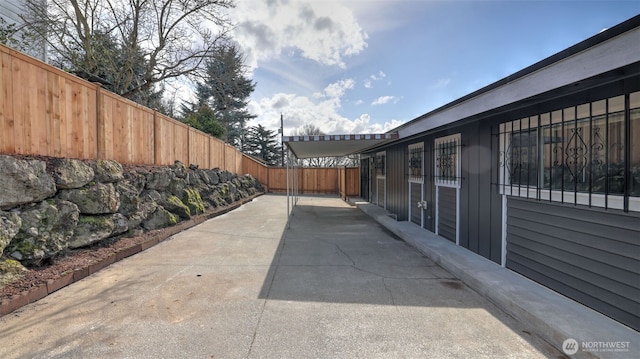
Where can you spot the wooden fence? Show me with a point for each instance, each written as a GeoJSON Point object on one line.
{"type": "Point", "coordinates": [344, 181]}
{"type": "Point", "coordinates": [48, 112]}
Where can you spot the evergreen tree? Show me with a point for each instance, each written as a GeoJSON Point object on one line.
{"type": "Point", "coordinates": [204, 119]}
{"type": "Point", "coordinates": [226, 90]}
{"type": "Point", "coordinates": [262, 143]}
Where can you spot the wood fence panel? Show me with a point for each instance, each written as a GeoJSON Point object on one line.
{"type": "Point", "coordinates": [198, 148]}
{"type": "Point", "coordinates": [258, 170]}
{"type": "Point", "coordinates": [83, 119]}
{"type": "Point", "coordinates": [229, 158]}
{"type": "Point", "coordinates": [277, 179]}
{"type": "Point", "coordinates": [318, 180]}
{"type": "Point", "coordinates": [172, 141]}
{"type": "Point", "coordinates": [216, 153]}
{"type": "Point", "coordinates": [127, 130]}
{"type": "Point", "coordinates": [45, 111]}
{"type": "Point", "coordinates": [352, 181]}
{"type": "Point", "coordinates": [238, 166]}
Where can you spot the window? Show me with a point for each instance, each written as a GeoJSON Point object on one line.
{"type": "Point", "coordinates": [380, 164]}
{"type": "Point", "coordinates": [587, 154]}
{"type": "Point", "coordinates": [447, 162]}
{"type": "Point", "coordinates": [416, 154]}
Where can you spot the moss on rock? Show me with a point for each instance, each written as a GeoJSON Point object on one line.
{"type": "Point", "coordinates": [10, 271]}
{"type": "Point", "coordinates": [191, 197]}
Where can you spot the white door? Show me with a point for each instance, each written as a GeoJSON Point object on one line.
{"type": "Point", "coordinates": [417, 204]}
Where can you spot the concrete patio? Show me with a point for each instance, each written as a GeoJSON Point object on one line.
{"type": "Point", "coordinates": [336, 284]}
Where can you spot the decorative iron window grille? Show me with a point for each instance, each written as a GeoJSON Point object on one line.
{"type": "Point", "coordinates": [447, 164]}
{"type": "Point", "coordinates": [416, 155]}
{"type": "Point", "coordinates": [587, 154]}
{"type": "Point", "coordinates": [380, 164]}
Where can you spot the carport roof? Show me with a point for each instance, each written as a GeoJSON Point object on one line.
{"type": "Point", "coordinates": [334, 145]}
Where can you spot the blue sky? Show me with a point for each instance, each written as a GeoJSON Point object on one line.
{"type": "Point", "coordinates": [367, 66]}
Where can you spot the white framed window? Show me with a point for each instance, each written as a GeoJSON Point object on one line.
{"type": "Point", "coordinates": [587, 154]}
{"type": "Point", "coordinates": [416, 162]}
{"type": "Point", "coordinates": [447, 161]}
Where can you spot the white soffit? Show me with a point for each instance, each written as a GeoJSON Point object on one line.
{"type": "Point", "coordinates": [334, 145]}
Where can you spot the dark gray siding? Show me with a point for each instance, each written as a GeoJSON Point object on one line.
{"type": "Point", "coordinates": [365, 181]}
{"type": "Point", "coordinates": [416, 196]}
{"type": "Point", "coordinates": [447, 213]}
{"type": "Point", "coordinates": [480, 201]}
{"type": "Point", "coordinates": [588, 255]}
{"type": "Point", "coordinates": [429, 187]}
{"type": "Point", "coordinates": [398, 181]}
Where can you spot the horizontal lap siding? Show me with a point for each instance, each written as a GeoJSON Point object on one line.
{"type": "Point", "coordinates": [588, 255]}
{"type": "Point", "coordinates": [447, 213]}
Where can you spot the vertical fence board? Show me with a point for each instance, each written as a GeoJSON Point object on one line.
{"type": "Point", "coordinates": [7, 140]}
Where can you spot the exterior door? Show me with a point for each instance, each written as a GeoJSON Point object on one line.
{"type": "Point", "coordinates": [417, 204]}
{"type": "Point", "coordinates": [447, 152]}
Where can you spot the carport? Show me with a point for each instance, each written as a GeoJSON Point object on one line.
{"type": "Point", "coordinates": [304, 147]}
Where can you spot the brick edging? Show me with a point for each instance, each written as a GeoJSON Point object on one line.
{"type": "Point", "coordinates": [8, 305]}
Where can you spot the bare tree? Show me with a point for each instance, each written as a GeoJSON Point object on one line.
{"type": "Point", "coordinates": [130, 45]}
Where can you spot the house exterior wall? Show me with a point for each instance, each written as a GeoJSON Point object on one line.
{"type": "Point", "coordinates": [590, 254]}
{"type": "Point", "coordinates": [586, 254]}
{"type": "Point", "coordinates": [10, 11]}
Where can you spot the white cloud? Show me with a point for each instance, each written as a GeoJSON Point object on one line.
{"type": "Point", "coordinates": [325, 32]}
{"type": "Point", "coordinates": [385, 99]}
{"type": "Point", "coordinates": [321, 111]}
{"type": "Point", "coordinates": [379, 76]}
{"type": "Point", "coordinates": [337, 89]}
{"type": "Point", "coordinates": [368, 83]}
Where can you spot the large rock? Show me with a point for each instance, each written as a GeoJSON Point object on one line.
{"type": "Point", "coordinates": [92, 229]}
{"type": "Point", "coordinates": [177, 186]}
{"type": "Point", "coordinates": [174, 205]}
{"type": "Point", "coordinates": [45, 231]}
{"type": "Point", "coordinates": [96, 198]}
{"type": "Point", "coordinates": [23, 181]}
{"type": "Point", "coordinates": [136, 179]}
{"type": "Point", "coordinates": [70, 173]}
{"type": "Point", "coordinates": [159, 180]}
{"type": "Point", "coordinates": [147, 205]}
{"type": "Point", "coordinates": [159, 219]}
{"type": "Point", "coordinates": [203, 176]}
{"type": "Point", "coordinates": [108, 171]}
{"type": "Point", "coordinates": [129, 197]}
{"type": "Point", "coordinates": [213, 177]}
{"type": "Point", "coordinates": [179, 169]}
{"type": "Point", "coordinates": [10, 224]}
